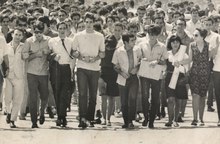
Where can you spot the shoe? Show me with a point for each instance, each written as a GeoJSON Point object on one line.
{"type": "Point", "coordinates": [109, 124]}
{"type": "Point", "coordinates": [42, 120]}
{"type": "Point", "coordinates": [8, 118]}
{"type": "Point", "coordinates": [12, 124]}
{"type": "Point", "coordinates": [163, 113]}
{"type": "Point", "coordinates": [144, 123]}
{"type": "Point", "coordinates": [118, 115]}
{"type": "Point", "coordinates": [175, 124]}
{"type": "Point", "coordinates": [138, 118]}
{"type": "Point", "coordinates": [124, 126]}
{"type": "Point", "coordinates": [180, 119]}
{"type": "Point", "coordinates": [0, 106]}
{"type": "Point", "coordinates": [58, 122]}
{"type": "Point", "coordinates": [98, 121]}
{"type": "Point", "coordinates": [210, 109]}
{"type": "Point", "coordinates": [168, 124]}
{"type": "Point", "coordinates": [83, 125]}
{"type": "Point", "coordinates": [64, 122]}
{"type": "Point", "coordinates": [91, 124]}
{"type": "Point", "coordinates": [22, 117]}
{"type": "Point", "coordinates": [194, 122]}
{"type": "Point", "coordinates": [158, 118]}
{"type": "Point", "coordinates": [98, 114]}
{"type": "Point", "coordinates": [104, 123]}
{"type": "Point", "coordinates": [151, 125]}
{"type": "Point", "coordinates": [34, 126]}
{"type": "Point", "coordinates": [218, 124]}
{"type": "Point", "coordinates": [201, 123]}
{"type": "Point", "coordinates": [130, 126]}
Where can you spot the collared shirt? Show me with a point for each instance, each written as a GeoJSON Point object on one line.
{"type": "Point", "coordinates": [38, 65]}
{"type": "Point", "coordinates": [191, 27]}
{"type": "Point", "coordinates": [120, 58]}
{"type": "Point", "coordinates": [55, 44]}
{"type": "Point", "coordinates": [16, 64]}
{"type": "Point", "coordinates": [89, 44]}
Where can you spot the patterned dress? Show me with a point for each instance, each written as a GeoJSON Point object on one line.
{"type": "Point", "coordinates": [200, 71]}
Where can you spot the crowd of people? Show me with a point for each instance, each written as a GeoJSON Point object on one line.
{"type": "Point", "coordinates": [138, 59]}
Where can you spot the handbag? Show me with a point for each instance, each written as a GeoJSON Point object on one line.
{"type": "Point", "coordinates": [182, 81]}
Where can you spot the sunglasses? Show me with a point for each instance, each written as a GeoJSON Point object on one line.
{"type": "Point", "coordinates": [22, 25]}
{"type": "Point", "coordinates": [38, 32]}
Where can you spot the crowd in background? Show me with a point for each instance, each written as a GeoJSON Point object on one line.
{"type": "Point", "coordinates": [137, 60]}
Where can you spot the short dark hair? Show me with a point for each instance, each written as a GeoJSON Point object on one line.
{"type": "Point", "coordinates": [63, 11]}
{"type": "Point", "coordinates": [132, 25]}
{"type": "Point", "coordinates": [45, 20]}
{"type": "Point", "coordinates": [203, 32]}
{"type": "Point", "coordinates": [39, 25]}
{"type": "Point", "coordinates": [123, 10]}
{"type": "Point", "coordinates": [172, 39]}
{"type": "Point", "coordinates": [153, 29]}
{"type": "Point", "coordinates": [19, 29]}
{"type": "Point", "coordinates": [75, 14]}
{"type": "Point", "coordinates": [90, 16]}
{"type": "Point", "coordinates": [127, 36]}
{"type": "Point", "coordinates": [38, 9]}
{"type": "Point", "coordinates": [182, 19]}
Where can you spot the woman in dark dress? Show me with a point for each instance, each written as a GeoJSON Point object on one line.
{"type": "Point", "coordinates": [174, 96]}
{"type": "Point", "coordinates": [109, 75]}
{"type": "Point", "coordinates": [199, 73]}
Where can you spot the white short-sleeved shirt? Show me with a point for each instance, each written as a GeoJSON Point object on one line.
{"type": "Point", "coordinates": [89, 44]}
{"type": "Point", "coordinates": [3, 47]}
{"type": "Point", "coordinates": [120, 58]}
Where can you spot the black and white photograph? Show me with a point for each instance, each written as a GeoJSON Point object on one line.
{"type": "Point", "coordinates": [109, 71]}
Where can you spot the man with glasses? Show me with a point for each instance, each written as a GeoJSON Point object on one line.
{"type": "Point", "coordinates": [89, 48]}
{"type": "Point", "coordinates": [35, 51]}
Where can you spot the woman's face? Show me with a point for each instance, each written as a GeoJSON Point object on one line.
{"type": "Point", "coordinates": [81, 27]}
{"type": "Point", "coordinates": [196, 36]}
{"type": "Point", "coordinates": [175, 45]}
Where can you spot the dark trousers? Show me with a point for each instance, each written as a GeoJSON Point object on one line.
{"type": "Point", "coordinates": [87, 81]}
{"type": "Point", "coordinates": [150, 108]}
{"type": "Point", "coordinates": [211, 92]}
{"type": "Point", "coordinates": [37, 85]}
{"type": "Point", "coordinates": [128, 94]}
{"type": "Point", "coordinates": [216, 78]}
{"type": "Point", "coordinates": [61, 84]}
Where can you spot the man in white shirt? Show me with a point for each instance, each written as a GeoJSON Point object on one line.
{"type": "Point", "coordinates": [15, 79]}
{"type": "Point", "coordinates": [60, 73]}
{"type": "Point", "coordinates": [194, 23]}
{"type": "Point", "coordinates": [89, 48]}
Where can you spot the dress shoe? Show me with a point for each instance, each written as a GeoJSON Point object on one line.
{"type": "Point", "coordinates": [144, 123]}
{"type": "Point", "coordinates": [151, 125]}
{"type": "Point", "coordinates": [130, 126]}
{"type": "Point", "coordinates": [49, 111]}
{"type": "Point", "coordinates": [201, 123]}
{"type": "Point", "coordinates": [180, 119]}
{"type": "Point", "coordinates": [91, 124]}
{"type": "Point", "coordinates": [8, 118]}
{"type": "Point", "coordinates": [12, 124]}
{"type": "Point", "coordinates": [218, 124]}
{"type": "Point", "coordinates": [0, 106]}
{"type": "Point", "coordinates": [210, 109]}
{"type": "Point", "coordinates": [64, 122]}
{"type": "Point", "coordinates": [109, 123]}
{"type": "Point", "coordinates": [58, 122]}
{"type": "Point", "coordinates": [168, 124]}
{"type": "Point", "coordinates": [175, 124]}
{"type": "Point", "coordinates": [42, 120]}
{"type": "Point", "coordinates": [34, 125]}
{"type": "Point", "coordinates": [194, 122]}
{"type": "Point", "coordinates": [124, 126]}
{"type": "Point", "coordinates": [83, 124]}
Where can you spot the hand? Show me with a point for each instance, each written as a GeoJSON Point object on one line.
{"type": "Point", "coordinates": [46, 51]}
{"type": "Point", "coordinates": [153, 63]}
{"type": "Point", "coordinates": [176, 63]}
{"type": "Point", "coordinates": [7, 72]}
{"type": "Point", "coordinates": [75, 54]}
{"type": "Point", "coordinates": [57, 58]}
{"type": "Point", "coordinates": [39, 54]}
{"type": "Point", "coordinates": [134, 70]}
{"type": "Point", "coordinates": [125, 75]}
{"type": "Point", "coordinates": [92, 59]}
{"type": "Point", "coordinates": [86, 59]}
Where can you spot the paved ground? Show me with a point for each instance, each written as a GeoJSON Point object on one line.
{"type": "Point", "coordinates": [50, 134]}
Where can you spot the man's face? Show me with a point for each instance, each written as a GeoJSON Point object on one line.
{"type": "Point", "coordinates": [141, 13]}
{"type": "Point", "coordinates": [133, 31]}
{"type": "Point", "coordinates": [118, 31]}
{"type": "Point", "coordinates": [180, 25]}
{"type": "Point", "coordinates": [17, 35]}
{"type": "Point", "coordinates": [62, 16]}
{"type": "Point", "coordinates": [208, 25]}
{"type": "Point", "coordinates": [38, 34]}
{"type": "Point", "coordinates": [89, 24]}
{"type": "Point", "coordinates": [195, 15]}
{"type": "Point", "coordinates": [75, 19]}
{"type": "Point", "coordinates": [62, 29]}
{"type": "Point", "coordinates": [22, 25]}
{"type": "Point", "coordinates": [132, 42]}
{"type": "Point", "coordinates": [53, 15]}
{"type": "Point", "coordinates": [160, 22]}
